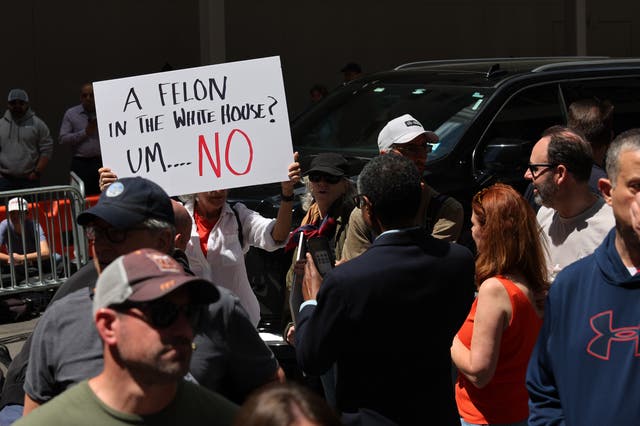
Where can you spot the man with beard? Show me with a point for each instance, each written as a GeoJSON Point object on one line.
{"type": "Point", "coordinates": [573, 219]}
{"type": "Point", "coordinates": [593, 119]}
{"type": "Point", "coordinates": [144, 308]}
{"type": "Point", "coordinates": [584, 369]}
{"type": "Point", "coordinates": [25, 144]}
{"type": "Point", "coordinates": [80, 130]}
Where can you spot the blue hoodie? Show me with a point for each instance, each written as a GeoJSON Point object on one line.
{"type": "Point", "coordinates": [585, 368]}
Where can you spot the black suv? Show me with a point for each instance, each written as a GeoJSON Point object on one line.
{"type": "Point", "coordinates": [488, 114]}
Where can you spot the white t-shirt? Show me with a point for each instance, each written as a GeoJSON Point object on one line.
{"type": "Point", "coordinates": [571, 239]}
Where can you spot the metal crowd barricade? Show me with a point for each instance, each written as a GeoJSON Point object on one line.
{"type": "Point", "coordinates": [54, 209]}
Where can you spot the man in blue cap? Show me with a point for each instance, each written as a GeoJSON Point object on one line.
{"type": "Point", "coordinates": [135, 213]}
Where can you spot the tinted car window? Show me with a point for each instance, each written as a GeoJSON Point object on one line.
{"type": "Point", "coordinates": [507, 142]}
{"type": "Point", "coordinates": [351, 126]}
{"type": "Point", "coordinates": [623, 93]}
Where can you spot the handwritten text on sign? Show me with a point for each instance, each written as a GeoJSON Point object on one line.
{"type": "Point", "coordinates": [198, 129]}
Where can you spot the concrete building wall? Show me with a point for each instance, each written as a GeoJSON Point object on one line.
{"type": "Point", "coordinates": [315, 43]}
{"type": "Point", "coordinates": [51, 48]}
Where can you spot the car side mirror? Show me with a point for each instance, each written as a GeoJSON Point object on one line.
{"type": "Point", "coordinates": [505, 157]}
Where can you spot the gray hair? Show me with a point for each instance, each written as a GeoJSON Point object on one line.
{"type": "Point", "coordinates": [160, 225]}
{"type": "Point", "coordinates": [625, 141]}
{"type": "Point", "coordinates": [307, 198]}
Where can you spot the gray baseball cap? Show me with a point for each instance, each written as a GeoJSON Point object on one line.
{"type": "Point", "coordinates": [18, 95]}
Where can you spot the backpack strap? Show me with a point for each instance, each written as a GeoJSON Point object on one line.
{"type": "Point", "coordinates": [240, 235]}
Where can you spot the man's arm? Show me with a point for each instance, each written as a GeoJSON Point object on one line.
{"type": "Point", "coordinates": [320, 329]}
{"type": "Point", "coordinates": [545, 407]}
{"type": "Point", "coordinates": [45, 145]}
{"type": "Point", "coordinates": [45, 148]}
{"type": "Point", "coordinates": [29, 405]}
{"type": "Point", "coordinates": [71, 135]}
{"type": "Point", "coordinates": [44, 251]}
{"type": "Point", "coordinates": [4, 236]}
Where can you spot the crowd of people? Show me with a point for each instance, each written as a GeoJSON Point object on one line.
{"type": "Point", "coordinates": [538, 326]}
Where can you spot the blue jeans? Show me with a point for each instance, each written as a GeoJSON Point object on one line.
{"type": "Point", "coordinates": [9, 414]}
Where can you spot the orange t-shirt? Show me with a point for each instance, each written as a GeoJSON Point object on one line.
{"type": "Point", "coordinates": [504, 399]}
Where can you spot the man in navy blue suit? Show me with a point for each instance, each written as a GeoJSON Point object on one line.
{"type": "Point", "coordinates": [387, 317]}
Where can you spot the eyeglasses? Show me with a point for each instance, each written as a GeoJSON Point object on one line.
{"type": "Point", "coordinates": [317, 177]}
{"type": "Point", "coordinates": [533, 168]}
{"type": "Point", "coordinates": [162, 313]}
{"type": "Point", "coordinates": [413, 148]}
{"type": "Point", "coordinates": [360, 200]}
{"type": "Point", "coordinates": [113, 235]}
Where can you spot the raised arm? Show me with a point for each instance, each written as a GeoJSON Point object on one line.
{"type": "Point", "coordinates": [281, 229]}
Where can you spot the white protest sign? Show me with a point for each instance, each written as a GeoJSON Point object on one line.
{"type": "Point", "coordinates": [198, 129]}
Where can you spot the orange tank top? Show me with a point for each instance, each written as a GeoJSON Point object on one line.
{"type": "Point", "coordinates": [504, 399]}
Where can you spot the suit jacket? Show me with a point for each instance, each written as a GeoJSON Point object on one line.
{"type": "Point", "coordinates": [387, 318]}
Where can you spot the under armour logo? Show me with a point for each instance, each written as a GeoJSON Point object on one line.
{"type": "Point", "coordinates": [602, 325]}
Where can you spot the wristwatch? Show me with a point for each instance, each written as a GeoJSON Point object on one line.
{"type": "Point", "coordinates": [287, 197]}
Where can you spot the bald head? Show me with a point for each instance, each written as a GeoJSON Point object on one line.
{"type": "Point", "coordinates": [183, 225]}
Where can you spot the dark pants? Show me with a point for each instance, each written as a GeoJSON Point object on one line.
{"type": "Point", "coordinates": [87, 170]}
{"type": "Point", "coordinates": [10, 183]}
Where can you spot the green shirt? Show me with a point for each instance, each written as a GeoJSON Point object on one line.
{"type": "Point", "coordinates": [78, 405]}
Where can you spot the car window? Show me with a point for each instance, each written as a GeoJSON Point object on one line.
{"type": "Point", "coordinates": [351, 126]}
{"type": "Point", "coordinates": [505, 147]}
{"type": "Point", "coordinates": [623, 93]}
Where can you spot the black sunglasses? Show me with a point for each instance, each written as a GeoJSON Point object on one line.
{"type": "Point", "coordinates": [534, 168]}
{"type": "Point", "coordinates": [317, 177]}
{"type": "Point", "coordinates": [162, 313]}
{"type": "Point", "coordinates": [113, 235]}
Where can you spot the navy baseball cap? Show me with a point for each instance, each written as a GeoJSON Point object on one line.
{"type": "Point", "coordinates": [129, 201]}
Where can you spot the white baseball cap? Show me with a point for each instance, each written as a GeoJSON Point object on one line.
{"type": "Point", "coordinates": [18, 204]}
{"type": "Point", "coordinates": [402, 130]}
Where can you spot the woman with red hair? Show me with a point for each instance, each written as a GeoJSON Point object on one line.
{"type": "Point", "coordinates": [493, 346]}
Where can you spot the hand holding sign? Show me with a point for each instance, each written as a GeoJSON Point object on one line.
{"type": "Point", "coordinates": [197, 129]}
